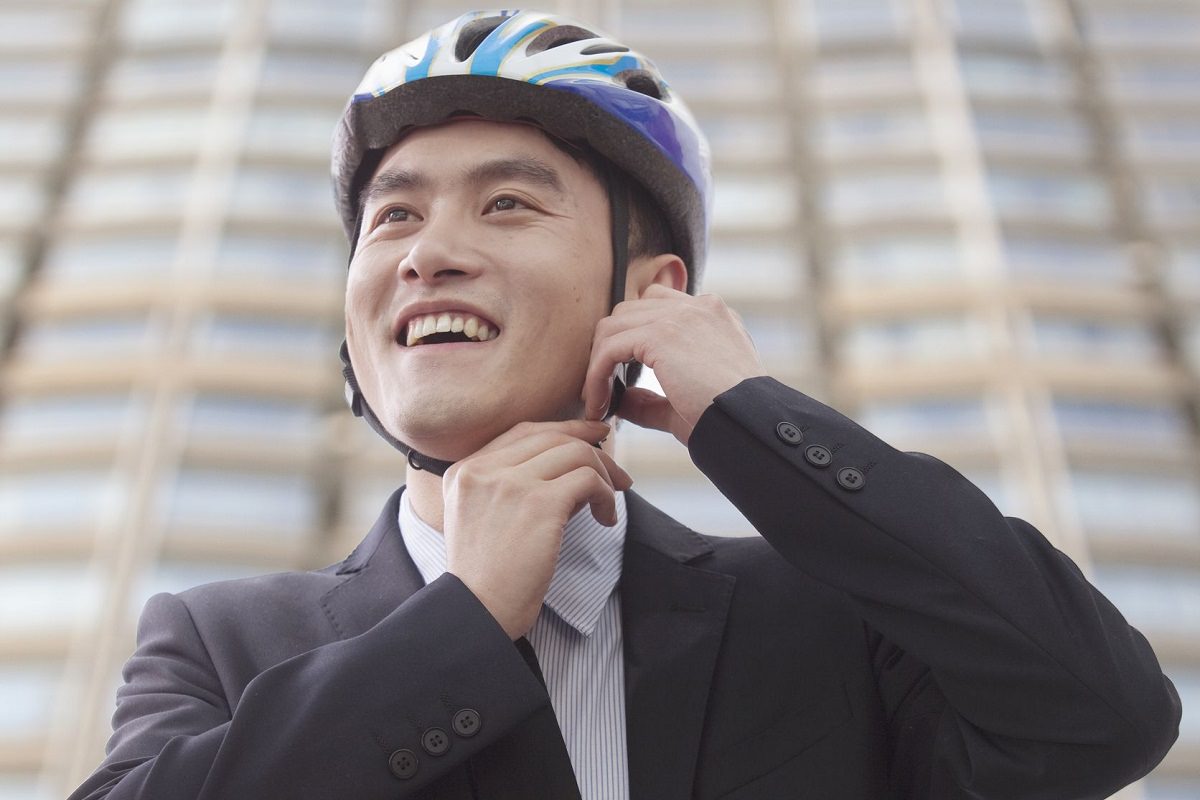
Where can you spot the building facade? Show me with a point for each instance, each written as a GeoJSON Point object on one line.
{"type": "Point", "coordinates": [973, 225]}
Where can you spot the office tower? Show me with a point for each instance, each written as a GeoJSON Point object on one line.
{"type": "Point", "coordinates": [973, 225]}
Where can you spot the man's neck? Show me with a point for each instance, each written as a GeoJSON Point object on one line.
{"type": "Point", "coordinates": [424, 490]}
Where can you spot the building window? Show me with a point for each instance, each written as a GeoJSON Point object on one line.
{"type": "Point", "coordinates": [873, 131]}
{"type": "Point", "coordinates": [1039, 195]}
{"type": "Point", "coordinates": [31, 420]}
{"type": "Point", "coordinates": [102, 197]}
{"type": "Point", "coordinates": [909, 421]}
{"type": "Point", "coordinates": [1014, 76]}
{"type": "Point", "coordinates": [1151, 138]}
{"type": "Point", "coordinates": [163, 75]}
{"type": "Point", "coordinates": [311, 74]}
{"type": "Point", "coordinates": [754, 201]}
{"type": "Point", "coordinates": [935, 338]}
{"type": "Point", "coordinates": [48, 596]}
{"type": "Point", "coordinates": [991, 19]}
{"type": "Point", "coordinates": [1141, 24]}
{"type": "Point", "coordinates": [296, 258]}
{"type": "Point", "coordinates": [1151, 77]}
{"type": "Point", "coordinates": [62, 499]}
{"type": "Point", "coordinates": [1153, 598]}
{"type": "Point", "coordinates": [291, 195]}
{"type": "Point", "coordinates": [254, 504]}
{"type": "Point", "coordinates": [1092, 340]}
{"type": "Point", "coordinates": [881, 194]}
{"type": "Point", "coordinates": [45, 81]}
{"type": "Point", "coordinates": [1087, 419]}
{"type": "Point", "coordinates": [124, 134]}
{"type": "Point", "coordinates": [1172, 200]}
{"type": "Point", "coordinates": [22, 201]}
{"type": "Point", "coordinates": [897, 258]}
{"type": "Point", "coordinates": [839, 21]}
{"type": "Point", "coordinates": [30, 138]}
{"type": "Point", "coordinates": [248, 418]}
{"type": "Point", "coordinates": [73, 338]}
{"type": "Point", "coordinates": [1027, 132]}
{"type": "Point", "coordinates": [27, 695]}
{"type": "Point", "coordinates": [778, 267]}
{"type": "Point", "coordinates": [153, 22]}
{"type": "Point", "coordinates": [297, 132]}
{"type": "Point", "coordinates": [317, 21]}
{"type": "Point", "coordinates": [747, 137]}
{"type": "Point", "coordinates": [1110, 502]}
{"type": "Point", "coordinates": [1050, 258]}
{"type": "Point", "coordinates": [882, 75]}
{"type": "Point", "coordinates": [88, 257]}
{"type": "Point", "coordinates": [230, 335]}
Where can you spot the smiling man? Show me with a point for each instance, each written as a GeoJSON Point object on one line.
{"type": "Point", "coordinates": [526, 201]}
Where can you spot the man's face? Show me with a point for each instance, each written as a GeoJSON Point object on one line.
{"type": "Point", "coordinates": [491, 224]}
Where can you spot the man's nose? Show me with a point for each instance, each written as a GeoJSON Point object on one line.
{"type": "Point", "coordinates": [440, 251]}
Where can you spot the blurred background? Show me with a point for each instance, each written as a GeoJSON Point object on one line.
{"type": "Point", "coordinates": [973, 225]}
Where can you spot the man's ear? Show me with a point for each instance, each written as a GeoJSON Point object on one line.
{"type": "Point", "coordinates": [665, 269]}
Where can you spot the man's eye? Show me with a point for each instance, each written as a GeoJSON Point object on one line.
{"type": "Point", "coordinates": [506, 204]}
{"type": "Point", "coordinates": [395, 215]}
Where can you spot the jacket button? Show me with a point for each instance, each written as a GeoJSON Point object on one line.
{"type": "Point", "coordinates": [435, 741]}
{"type": "Point", "coordinates": [818, 456]}
{"type": "Point", "coordinates": [466, 723]}
{"type": "Point", "coordinates": [851, 479]}
{"type": "Point", "coordinates": [789, 433]}
{"type": "Point", "coordinates": [403, 764]}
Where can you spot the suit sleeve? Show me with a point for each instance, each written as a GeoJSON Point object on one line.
{"type": "Point", "coordinates": [322, 724]}
{"type": "Point", "coordinates": [1005, 672]}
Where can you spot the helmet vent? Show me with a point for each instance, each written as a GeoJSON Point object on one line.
{"type": "Point", "coordinates": [642, 82]}
{"type": "Point", "coordinates": [473, 34]}
{"type": "Point", "coordinates": [598, 49]}
{"type": "Point", "coordinates": [558, 36]}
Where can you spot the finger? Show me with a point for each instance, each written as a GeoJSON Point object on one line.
{"type": "Point", "coordinates": [648, 409]}
{"type": "Point", "coordinates": [569, 456]}
{"type": "Point", "coordinates": [607, 352]}
{"type": "Point", "coordinates": [584, 485]}
{"type": "Point", "coordinates": [525, 440]}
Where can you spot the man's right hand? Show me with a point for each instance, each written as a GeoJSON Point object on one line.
{"type": "Point", "coordinates": [507, 504]}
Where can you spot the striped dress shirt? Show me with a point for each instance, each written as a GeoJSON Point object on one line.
{"type": "Point", "coordinates": [577, 639]}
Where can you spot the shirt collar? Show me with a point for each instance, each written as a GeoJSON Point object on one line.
{"type": "Point", "coordinates": [588, 569]}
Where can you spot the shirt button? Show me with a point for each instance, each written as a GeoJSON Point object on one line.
{"type": "Point", "coordinates": [403, 764]}
{"type": "Point", "coordinates": [851, 479]}
{"type": "Point", "coordinates": [789, 433]}
{"type": "Point", "coordinates": [466, 723]}
{"type": "Point", "coordinates": [435, 741]}
{"type": "Point", "coordinates": [818, 456]}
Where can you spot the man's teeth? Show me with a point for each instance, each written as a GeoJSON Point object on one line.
{"type": "Point", "coordinates": [469, 325]}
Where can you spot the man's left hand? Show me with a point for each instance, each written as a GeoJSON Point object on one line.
{"type": "Point", "coordinates": [697, 347]}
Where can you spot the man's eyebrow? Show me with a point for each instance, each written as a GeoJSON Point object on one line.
{"type": "Point", "coordinates": [520, 168]}
{"type": "Point", "coordinates": [386, 183]}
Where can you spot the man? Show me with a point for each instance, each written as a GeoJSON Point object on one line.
{"type": "Point", "coordinates": [526, 202]}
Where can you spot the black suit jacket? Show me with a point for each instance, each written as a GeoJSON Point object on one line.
{"type": "Point", "coordinates": [894, 639]}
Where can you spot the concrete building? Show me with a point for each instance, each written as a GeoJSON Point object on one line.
{"type": "Point", "coordinates": [974, 225]}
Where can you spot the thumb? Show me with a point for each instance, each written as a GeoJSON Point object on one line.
{"type": "Point", "coordinates": [648, 409]}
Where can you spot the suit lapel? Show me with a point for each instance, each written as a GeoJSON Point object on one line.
{"type": "Point", "coordinates": [673, 617]}
{"type": "Point", "coordinates": [379, 576]}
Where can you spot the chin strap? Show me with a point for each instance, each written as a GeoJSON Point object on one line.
{"type": "Point", "coordinates": [618, 200]}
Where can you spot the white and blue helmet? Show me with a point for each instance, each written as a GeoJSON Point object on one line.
{"type": "Point", "coordinates": [574, 82]}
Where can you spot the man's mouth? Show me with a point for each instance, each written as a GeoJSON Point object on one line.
{"type": "Point", "coordinates": [448, 327]}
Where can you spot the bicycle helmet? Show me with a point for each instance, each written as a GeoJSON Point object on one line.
{"type": "Point", "coordinates": [576, 84]}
